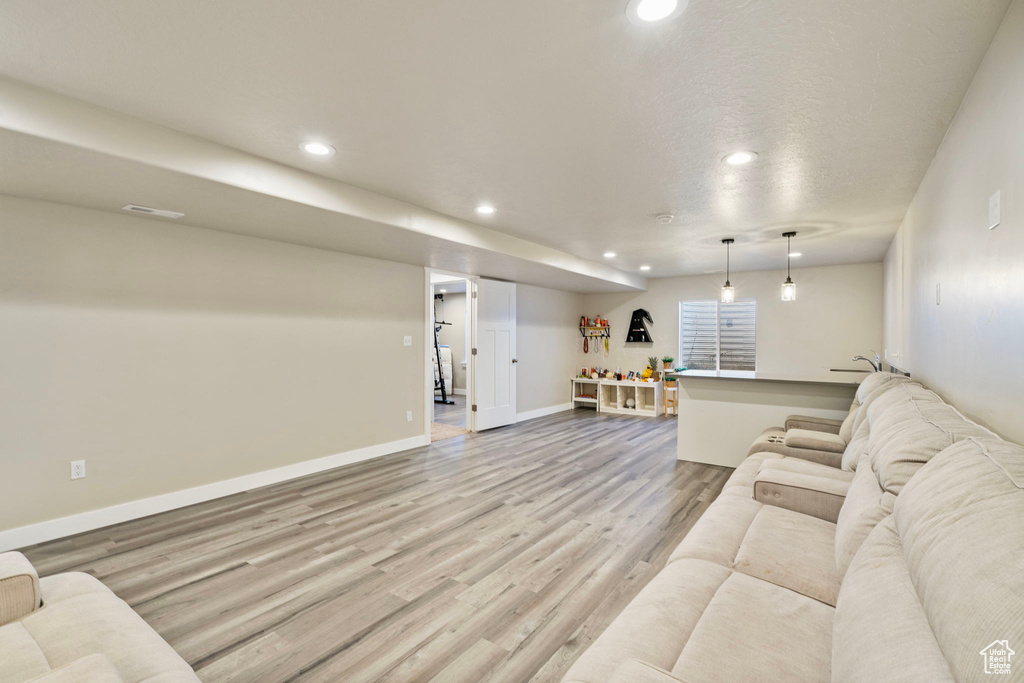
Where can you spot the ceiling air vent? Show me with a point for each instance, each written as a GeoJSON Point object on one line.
{"type": "Point", "coordinates": [163, 213]}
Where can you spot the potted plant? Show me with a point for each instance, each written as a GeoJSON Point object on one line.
{"type": "Point", "coordinates": [668, 360]}
{"type": "Point", "coordinates": [653, 363]}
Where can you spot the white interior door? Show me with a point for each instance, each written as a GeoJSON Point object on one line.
{"type": "Point", "coordinates": [495, 358]}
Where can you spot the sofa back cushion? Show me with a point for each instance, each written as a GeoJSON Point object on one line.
{"type": "Point", "coordinates": [871, 389]}
{"type": "Point", "coordinates": [937, 589]}
{"type": "Point", "coordinates": [909, 425]}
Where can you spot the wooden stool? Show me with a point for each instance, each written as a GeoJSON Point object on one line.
{"type": "Point", "coordinates": [671, 398]}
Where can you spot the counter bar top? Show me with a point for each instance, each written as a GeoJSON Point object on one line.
{"type": "Point", "coordinates": [836, 378]}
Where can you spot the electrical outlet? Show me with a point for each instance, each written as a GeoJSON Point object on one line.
{"type": "Point", "coordinates": [408, 416]}
{"type": "Point", "coordinates": [407, 341]}
{"type": "Point", "coordinates": [938, 294]}
{"type": "Point", "coordinates": [77, 469]}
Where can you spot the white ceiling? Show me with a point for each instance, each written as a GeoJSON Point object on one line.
{"type": "Point", "coordinates": [577, 125]}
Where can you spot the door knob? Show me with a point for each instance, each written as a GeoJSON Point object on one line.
{"type": "Point", "coordinates": [515, 360]}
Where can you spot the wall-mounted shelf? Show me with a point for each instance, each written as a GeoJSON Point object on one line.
{"type": "Point", "coordinates": [596, 330]}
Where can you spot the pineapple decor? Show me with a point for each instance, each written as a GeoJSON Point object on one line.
{"type": "Point", "coordinates": [652, 369]}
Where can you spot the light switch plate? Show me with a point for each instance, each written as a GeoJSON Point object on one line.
{"type": "Point", "coordinates": [407, 341]}
{"type": "Point", "coordinates": [995, 209]}
{"type": "Point", "coordinates": [408, 416]}
{"type": "Point", "coordinates": [938, 294]}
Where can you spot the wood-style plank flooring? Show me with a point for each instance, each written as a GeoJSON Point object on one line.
{"type": "Point", "coordinates": [491, 557]}
{"type": "Point", "coordinates": [451, 414]}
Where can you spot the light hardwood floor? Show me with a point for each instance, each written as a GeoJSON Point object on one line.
{"type": "Point", "coordinates": [491, 557]}
{"type": "Point", "coordinates": [451, 414]}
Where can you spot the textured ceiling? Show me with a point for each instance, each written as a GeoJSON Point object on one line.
{"type": "Point", "coordinates": [577, 125]}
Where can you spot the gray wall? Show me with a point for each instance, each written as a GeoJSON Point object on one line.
{"type": "Point", "coordinates": [970, 347]}
{"type": "Point", "coordinates": [168, 356]}
{"type": "Point", "coordinates": [547, 326]}
{"type": "Point", "coordinates": [837, 314]}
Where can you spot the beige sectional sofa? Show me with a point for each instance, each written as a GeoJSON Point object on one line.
{"type": "Point", "coordinates": [70, 628]}
{"type": "Point", "coordinates": [900, 560]}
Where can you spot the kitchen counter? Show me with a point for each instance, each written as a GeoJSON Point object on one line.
{"type": "Point", "coordinates": [825, 377]}
{"type": "Point", "coordinates": [722, 413]}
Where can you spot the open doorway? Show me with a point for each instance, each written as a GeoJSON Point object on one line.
{"type": "Point", "coordinates": [448, 339]}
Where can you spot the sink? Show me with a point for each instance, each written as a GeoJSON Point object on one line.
{"type": "Point", "coordinates": [846, 370]}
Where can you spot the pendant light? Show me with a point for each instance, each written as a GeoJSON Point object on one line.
{"type": "Point", "coordinates": [728, 291]}
{"type": "Point", "coordinates": [788, 287]}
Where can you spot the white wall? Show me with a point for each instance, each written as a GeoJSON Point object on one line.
{"type": "Point", "coordinates": [453, 310]}
{"type": "Point", "coordinates": [547, 327]}
{"type": "Point", "coordinates": [969, 348]}
{"type": "Point", "coordinates": [169, 357]}
{"type": "Point", "coordinates": [837, 315]}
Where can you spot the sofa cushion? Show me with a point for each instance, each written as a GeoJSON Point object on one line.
{"type": "Point", "coordinates": [80, 617]}
{"type": "Point", "coordinates": [865, 506]}
{"type": "Point", "coordinates": [873, 386]}
{"type": "Point", "coordinates": [846, 428]}
{"type": "Point", "coordinates": [780, 546]}
{"type": "Point", "coordinates": [92, 668]}
{"type": "Point", "coordinates": [20, 657]}
{"type": "Point", "coordinates": [962, 541]}
{"type": "Point", "coordinates": [696, 617]}
{"type": "Point", "coordinates": [756, 632]}
{"type": "Point", "coordinates": [635, 671]}
{"type": "Point", "coordinates": [880, 631]}
{"type": "Point", "coordinates": [800, 466]}
{"type": "Point", "coordinates": [909, 425]}
{"type": "Point", "coordinates": [742, 479]}
{"type": "Point", "coordinates": [899, 452]}
{"type": "Point", "coordinates": [940, 578]}
{"type": "Point", "coordinates": [656, 625]}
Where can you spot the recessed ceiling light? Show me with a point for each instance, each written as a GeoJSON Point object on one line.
{"type": "Point", "coordinates": [645, 267]}
{"type": "Point", "coordinates": [795, 254]}
{"type": "Point", "coordinates": [609, 254]}
{"type": "Point", "coordinates": [485, 209]}
{"type": "Point", "coordinates": [740, 158]}
{"type": "Point", "coordinates": [443, 291]}
{"type": "Point", "coordinates": [647, 12]}
{"type": "Point", "coordinates": [317, 148]}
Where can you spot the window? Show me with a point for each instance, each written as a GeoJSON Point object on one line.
{"type": "Point", "coordinates": [717, 336]}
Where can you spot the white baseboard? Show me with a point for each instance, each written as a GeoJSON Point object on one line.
{"type": "Point", "coordinates": [20, 537]}
{"type": "Point", "coordinates": [459, 392]}
{"type": "Point", "coordinates": [541, 412]}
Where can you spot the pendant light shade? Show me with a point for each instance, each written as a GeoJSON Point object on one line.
{"type": "Point", "coordinates": [728, 291]}
{"type": "Point", "coordinates": [788, 287]}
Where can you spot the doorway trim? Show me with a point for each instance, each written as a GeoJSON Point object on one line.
{"type": "Point", "coordinates": [428, 348]}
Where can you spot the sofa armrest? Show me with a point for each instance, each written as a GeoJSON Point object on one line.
{"type": "Point", "coordinates": [19, 587]}
{"type": "Point", "coordinates": [776, 443]}
{"type": "Point", "coordinates": [635, 671]}
{"type": "Point", "coordinates": [818, 441]}
{"type": "Point", "coordinates": [814, 424]}
{"type": "Point", "coordinates": [808, 494]}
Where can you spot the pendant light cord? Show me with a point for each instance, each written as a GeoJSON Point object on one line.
{"type": "Point", "coordinates": [789, 256]}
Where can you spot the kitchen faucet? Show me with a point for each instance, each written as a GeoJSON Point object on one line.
{"type": "Point", "coordinates": [876, 366]}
